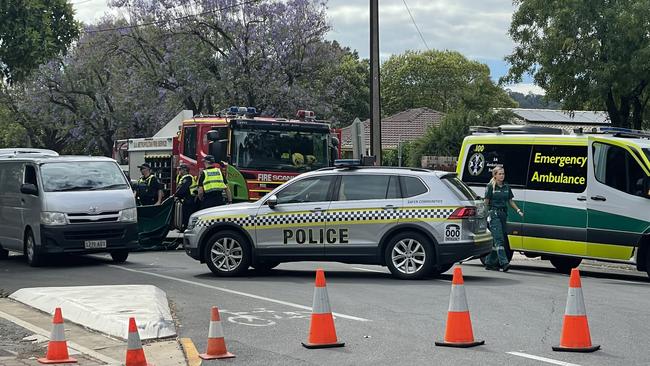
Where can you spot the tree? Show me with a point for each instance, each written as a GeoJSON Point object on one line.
{"type": "Point", "coordinates": [533, 101]}
{"type": "Point", "coordinates": [441, 80]}
{"type": "Point", "coordinates": [31, 33]}
{"type": "Point", "coordinates": [586, 53]}
{"type": "Point", "coordinates": [446, 139]}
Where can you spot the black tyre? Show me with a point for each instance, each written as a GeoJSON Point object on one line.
{"type": "Point", "coordinates": [647, 264]}
{"type": "Point", "coordinates": [565, 264]}
{"type": "Point", "coordinates": [409, 256]}
{"type": "Point", "coordinates": [120, 256]}
{"type": "Point", "coordinates": [33, 257]}
{"type": "Point", "coordinates": [265, 266]}
{"type": "Point", "coordinates": [227, 253]}
{"type": "Point", "coordinates": [442, 269]}
{"type": "Point", "coordinates": [4, 253]}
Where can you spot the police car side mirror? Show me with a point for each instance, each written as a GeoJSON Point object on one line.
{"type": "Point", "coordinates": [272, 201]}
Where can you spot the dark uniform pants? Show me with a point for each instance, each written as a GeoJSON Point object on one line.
{"type": "Point", "coordinates": [498, 257]}
{"type": "Point", "coordinates": [212, 199]}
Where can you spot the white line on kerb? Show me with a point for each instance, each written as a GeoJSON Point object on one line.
{"type": "Point", "coordinates": [234, 292]}
{"type": "Point", "coordinates": [368, 270]}
{"type": "Point", "coordinates": [543, 359]}
{"type": "Point", "coordinates": [77, 347]}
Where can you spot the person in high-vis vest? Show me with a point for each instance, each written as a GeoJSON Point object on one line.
{"type": "Point", "coordinates": [148, 190]}
{"type": "Point", "coordinates": [212, 185]}
{"type": "Point", "coordinates": [186, 192]}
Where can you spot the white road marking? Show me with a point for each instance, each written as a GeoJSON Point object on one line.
{"type": "Point", "coordinates": [72, 345]}
{"type": "Point", "coordinates": [368, 270]}
{"type": "Point", "coordinates": [234, 292]}
{"type": "Point", "coordinates": [543, 359]}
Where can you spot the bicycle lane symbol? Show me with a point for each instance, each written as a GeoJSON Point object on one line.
{"type": "Point", "coordinates": [262, 317]}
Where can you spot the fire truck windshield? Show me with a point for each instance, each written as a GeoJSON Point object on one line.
{"type": "Point", "coordinates": [265, 149]}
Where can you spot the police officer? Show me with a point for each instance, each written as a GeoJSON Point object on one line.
{"type": "Point", "coordinates": [186, 191]}
{"type": "Point", "coordinates": [212, 184]}
{"type": "Point", "coordinates": [148, 191]}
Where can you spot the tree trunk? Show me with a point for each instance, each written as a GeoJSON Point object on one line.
{"type": "Point", "coordinates": [637, 113]}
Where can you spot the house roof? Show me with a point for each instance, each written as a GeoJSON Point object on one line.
{"type": "Point", "coordinates": [562, 117]}
{"type": "Point", "coordinates": [403, 126]}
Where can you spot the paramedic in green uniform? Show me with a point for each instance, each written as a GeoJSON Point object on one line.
{"type": "Point", "coordinates": [498, 196]}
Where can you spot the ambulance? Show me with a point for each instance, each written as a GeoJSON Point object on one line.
{"type": "Point", "coordinates": [584, 195]}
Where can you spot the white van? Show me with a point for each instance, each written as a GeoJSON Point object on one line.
{"type": "Point", "coordinates": [52, 204]}
{"type": "Point", "coordinates": [583, 195]}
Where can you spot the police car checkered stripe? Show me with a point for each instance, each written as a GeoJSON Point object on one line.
{"type": "Point", "coordinates": [349, 216]}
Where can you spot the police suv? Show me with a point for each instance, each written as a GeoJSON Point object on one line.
{"type": "Point", "coordinates": [417, 222]}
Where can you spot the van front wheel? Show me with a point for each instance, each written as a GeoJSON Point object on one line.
{"type": "Point", "coordinates": [565, 264]}
{"type": "Point", "coordinates": [4, 253]}
{"type": "Point", "coordinates": [33, 258]}
{"type": "Point", "coordinates": [120, 256]}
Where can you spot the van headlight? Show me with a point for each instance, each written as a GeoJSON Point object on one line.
{"type": "Point", "coordinates": [128, 215]}
{"type": "Point", "coordinates": [192, 223]}
{"type": "Point", "coordinates": [53, 218]}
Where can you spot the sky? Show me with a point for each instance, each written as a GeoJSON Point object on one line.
{"type": "Point", "coordinates": [476, 28]}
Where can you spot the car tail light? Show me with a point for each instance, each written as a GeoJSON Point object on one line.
{"type": "Point", "coordinates": [463, 213]}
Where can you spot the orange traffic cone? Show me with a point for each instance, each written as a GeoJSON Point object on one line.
{"type": "Point", "coordinates": [575, 328]}
{"type": "Point", "coordinates": [216, 343]}
{"type": "Point", "coordinates": [459, 325]}
{"type": "Point", "coordinates": [57, 348]}
{"type": "Point", "coordinates": [134, 351]}
{"type": "Point", "coordinates": [322, 333]}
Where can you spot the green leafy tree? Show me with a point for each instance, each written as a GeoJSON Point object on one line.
{"type": "Point", "coordinates": [31, 33]}
{"type": "Point", "coordinates": [441, 80]}
{"type": "Point", "coordinates": [446, 139]}
{"type": "Point", "coordinates": [586, 53]}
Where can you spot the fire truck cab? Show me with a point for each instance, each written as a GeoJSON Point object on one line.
{"type": "Point", "coordinates": [260, 153]}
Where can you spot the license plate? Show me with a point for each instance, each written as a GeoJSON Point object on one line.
{"type": "Point", "coordinates": [95, 244]}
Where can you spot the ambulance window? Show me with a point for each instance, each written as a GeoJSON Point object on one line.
{"type": "Point", "coordinates": [557, 168]}
{"type": "Point", "coordinates": [412, 186]}
{"type": "Point", "coordinates": [189, 142]}
{"type": "Point", "coordinates": [617, 168]}
{"type": "Point", "coordinates": [363, 187]}
{"type": "Point", "coordinates": [481, 158]}
{"type": "Point", "coordinates": [306, 190]}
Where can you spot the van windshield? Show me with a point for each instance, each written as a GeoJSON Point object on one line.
{"type": "Point", "coordinates": [82, 176]}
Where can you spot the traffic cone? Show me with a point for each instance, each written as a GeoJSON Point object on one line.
{"type": "Point", "coordinates": [216, 343]}
{"type": "Point", "coordinates": [459, 325]}
{"type": "Point", "coordinates": [57, 348]}
{"type": "Point", "coordinates": [134, 351]}
{"type": "Point", "coordinates": [575, 328]}
{"type": "Point", "coordinates": [322, 333]}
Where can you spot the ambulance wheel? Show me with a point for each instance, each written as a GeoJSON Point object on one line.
{"type": "Point", "coordinates": [409, 256]}
{"type": "Point", "coordinates": [265, 266]}
{"type": "Point", "coordinates": [227, 254]}
{"type": "Point", "coordinates": [565, 264]}
{"type": "Point", "coordinates": [120, 256]}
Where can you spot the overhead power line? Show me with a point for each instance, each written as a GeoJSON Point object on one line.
{"type": "Point", "coordinates": [416, 25]}
{"type": "Point", "coordinates": [158, 22]}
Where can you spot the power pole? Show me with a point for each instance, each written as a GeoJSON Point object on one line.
{"type": "Point", "coordinates": [375, 105]}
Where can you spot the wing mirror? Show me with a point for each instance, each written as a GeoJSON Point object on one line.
{"type": "Point", "coordinates": [29, 189]}
{"type": "Point", "coordinates": [272, 201]}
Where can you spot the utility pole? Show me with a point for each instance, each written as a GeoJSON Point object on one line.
{"type": "Point", "coordinates": [375, 106]}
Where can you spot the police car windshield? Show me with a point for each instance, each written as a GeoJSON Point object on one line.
{"type": "Point", "coordinates": [82, 176]}
{"type": "Point", "coordinates": [279, 150]}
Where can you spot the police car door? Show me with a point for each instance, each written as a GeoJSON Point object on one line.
{"type": "Point", "coordinates": [363, 208]}
{"type": "Point", "coordinates": [295, 227]}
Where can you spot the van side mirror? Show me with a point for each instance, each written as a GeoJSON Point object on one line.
{"type": "Point", "coordinates": [29, 189]}
{"type": "Point", "coordinates": [272, 201]}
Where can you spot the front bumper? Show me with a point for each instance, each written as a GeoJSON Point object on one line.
{"type": "Point", "coordinates": [191, 244]}
{"type": "Point", "coordinates": [456, 252]}
{"type": "Point", "coordinates": [71, 238]}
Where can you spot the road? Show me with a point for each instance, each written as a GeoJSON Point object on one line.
{"type": "Point", "coordinates": [383, 321]}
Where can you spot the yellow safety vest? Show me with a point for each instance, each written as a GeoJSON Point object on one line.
{"type": "Point", "coordinates": [213, 180]}
{"type": "Point", "coordinates": [194, 187]}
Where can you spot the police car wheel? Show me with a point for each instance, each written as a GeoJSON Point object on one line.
{"type": "Point", "coordinates": [227, 254]}
{"type": "Point", "coordinates": [409, 256]}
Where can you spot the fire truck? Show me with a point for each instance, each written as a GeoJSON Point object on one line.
{"type": "Point", "coordinates": [260, 153]}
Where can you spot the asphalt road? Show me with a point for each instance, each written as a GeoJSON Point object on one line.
{"type": "Point", "coordinates": [383, 321]}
